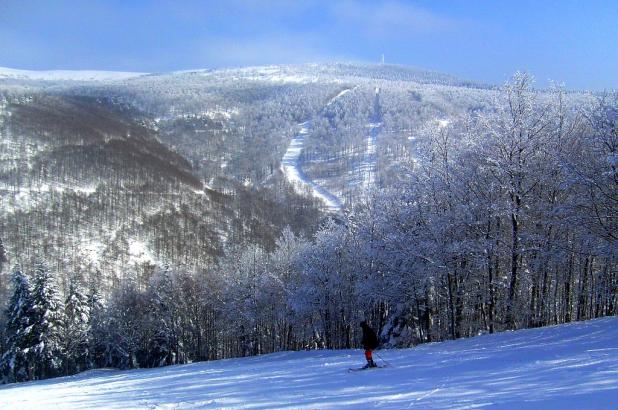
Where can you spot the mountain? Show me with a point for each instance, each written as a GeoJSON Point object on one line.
{"type": "Point", "coordinates": [573, 366]}
{"type": "Point", "coordinates": [64, 75]}
{"type": "Point", "coordinates": [109, 174]}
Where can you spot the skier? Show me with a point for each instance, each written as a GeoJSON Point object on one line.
{"type": "Point", "coordinates": [369, 342]}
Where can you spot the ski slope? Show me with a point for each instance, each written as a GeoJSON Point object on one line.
{"type": "Point", "coordinates": [368, 168]}
{"type": "Point", "coordinates": [292, 169]}
{"type": "Point", "coordinates": [290, 165]}
{"type": "Point", "coordinates": [572, 366]}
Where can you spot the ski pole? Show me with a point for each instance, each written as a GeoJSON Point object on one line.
{"type": "Point", "coordinates": [381, 358]}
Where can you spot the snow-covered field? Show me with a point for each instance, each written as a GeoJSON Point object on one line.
{"type": "Point", "coordinates": [572, 366]}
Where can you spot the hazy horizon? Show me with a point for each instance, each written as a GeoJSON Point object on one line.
{"type": "Point", "coordinates": [568, 42]}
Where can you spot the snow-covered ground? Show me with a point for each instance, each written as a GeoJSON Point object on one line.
{"type": "Point", "coordinates": [341, 94]}
{"type": "Point", "coordinates": [364, 174]}
{"type": "Point", "coordinates": [572, 366]}
{"type": "Point", "coordinates": [65, 75]}
{"type": "Point", "coordinates": [290, 166]}
{"type": "Point", "coordinates": [369, 167]}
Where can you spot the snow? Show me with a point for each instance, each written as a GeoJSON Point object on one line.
{"type": "Point", "coordinates": [274, 74]}
{"type": "Point", "coordinates": [365, 173]}
{"type": "Point", "coordinates": [93, 249]}
{"type": "Point", "coordinates": [369, 167]}
{"type": "Point", "coordinates": [290, 166]}
{"type": "Point", "coordinates": [26, 198]}
{"type": "Point", "coordinates": [573, 366]}
{"type": "Point", "coordinates": [139, 252]}
{"type": "Point", "coordinates": [341, 94]}
{"type": "Point", "coordinates": [66, 75]}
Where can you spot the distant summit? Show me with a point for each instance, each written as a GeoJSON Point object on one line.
{"type": "Point", "coordinates": [65, 75]}
{"type": "Point", "coordinates": [287, 74]}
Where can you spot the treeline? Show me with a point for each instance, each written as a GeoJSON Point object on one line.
{"type": "Point", "coordinates": [251, 302]}
{"type": "Point", "coordinates": [504, 219]}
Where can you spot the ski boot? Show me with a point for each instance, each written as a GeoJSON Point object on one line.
{"type": "Point", "coordinates": [370, 363]}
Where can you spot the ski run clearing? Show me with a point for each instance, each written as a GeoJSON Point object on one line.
{"type": "Point", "coordinates": [292, 169]}
{"type": "Point", "coordinates": [573, 366]}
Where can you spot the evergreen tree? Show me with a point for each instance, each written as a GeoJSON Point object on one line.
{"type": "Point", "coordinates": [19, 336]}
{"type": "Point", "coordinates": [3, 255]}
{"type": "Point", "coordinates": [77, 333]}
{"type": "Point", "coordinates": [96, 348]}
{"type": "Point", "coordinates": [47, 325]}
{"type": "Point", "coordinates": [4, 288]}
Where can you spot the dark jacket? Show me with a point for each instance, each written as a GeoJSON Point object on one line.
{"type": "Point", "coordinates": [370, 339]}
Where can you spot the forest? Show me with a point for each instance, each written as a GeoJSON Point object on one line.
{"type": "Point", "coordinates": [146, 224]}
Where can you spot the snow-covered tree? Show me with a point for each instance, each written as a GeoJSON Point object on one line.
{"type": "Point", "coordinates": [325, 292]}
{"type": "Point", "coordinates": [165, 345]}
{"type": "Point", "coordinates": [595, 169]}
{"type": "Point", "coordinates": [4, 285]}
{"type": "Point", "coordinates": [3, 256]}
{"type": "Point", "coordinates": [122, 332]}
{"type": "Point", "coordinates": [77, 332]}
{"type": "Point", "coordinates": [16, 362]}
{"type": "Point", "coordinates": [48, 323]}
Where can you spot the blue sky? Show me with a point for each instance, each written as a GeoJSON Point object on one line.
{"type": "Point", "coordinates": [570, 41]}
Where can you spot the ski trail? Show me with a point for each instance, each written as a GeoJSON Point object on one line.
{"type": "Point", "coordinates": [290, 165]}
{"type": "Point", "coordinates": [369, 166]}
{"type": "Point", "coordinates": [429, 393]}
{"type": "Point", "coordinates": [341, 94]}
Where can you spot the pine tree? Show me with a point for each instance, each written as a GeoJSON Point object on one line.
{"type": "Point", "coordinates": [77, 330]}
{"type": "Point", "coordinates": [4, 288]}
{"type": "Point", "coordinates": [47, 325]}
{"type": "Point", "coordinates": [96, 348]}
{"type": "Point", "coordinates": [3, 255]}
{"type": "Point", "coordinates": [19, 336]}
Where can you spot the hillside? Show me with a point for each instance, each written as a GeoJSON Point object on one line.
{"type": "Point", "coordinates": [130, 171]}
{"type": "Point", "coordinates": [573, 366]}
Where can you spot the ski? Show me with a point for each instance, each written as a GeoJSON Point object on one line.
{"type": "Point", "coordinates": [358, 369]}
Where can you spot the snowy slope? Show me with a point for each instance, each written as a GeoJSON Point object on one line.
{"type": "Point", "coordinates": [65, 75]}
{"type": "Point", "coordinates": [291, 167]}
{"type": "Point", "coordinates": [572, 366]}
{"type": "Point", "coordinates": [368, 168]}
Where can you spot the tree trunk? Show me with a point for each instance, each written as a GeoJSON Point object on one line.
{"type": "Point", "coordinates": [515, 257]}
{"type": "Point", "coordinates": [451, 305]}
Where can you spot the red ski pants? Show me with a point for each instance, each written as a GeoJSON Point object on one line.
{"type": "Point", "coordinates": [368, 355]}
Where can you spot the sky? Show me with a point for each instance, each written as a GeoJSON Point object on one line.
{"type": "Point", "coordinates": [567, 41]}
